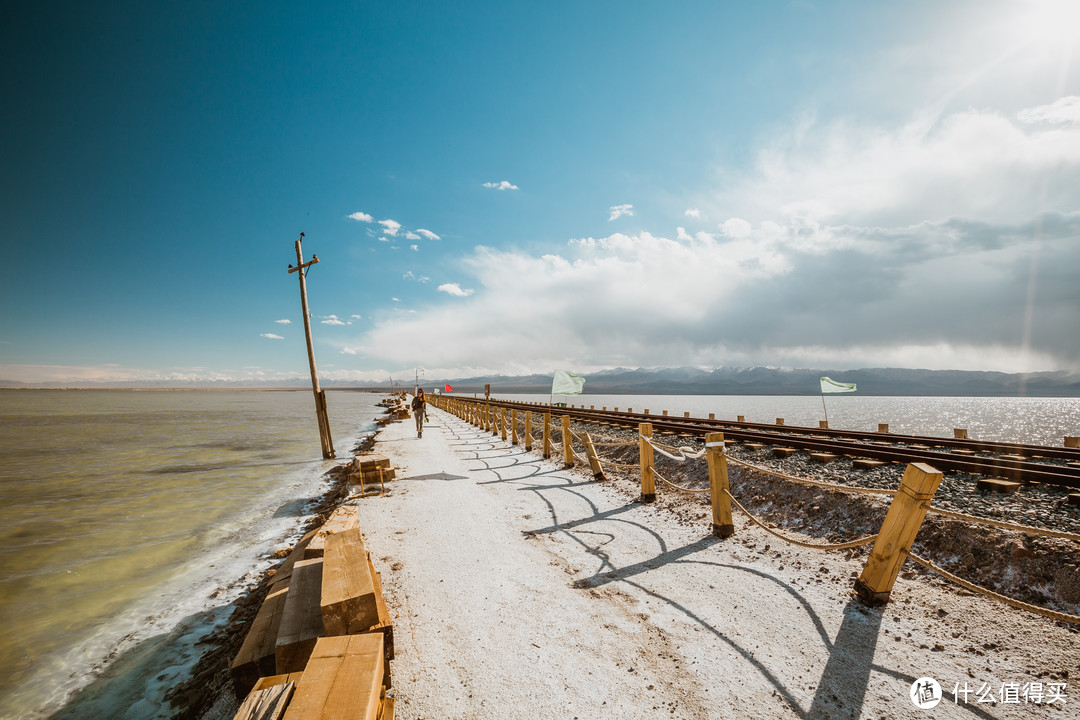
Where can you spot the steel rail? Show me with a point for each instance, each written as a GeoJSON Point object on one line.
{"type": "Point", "coordinates": [886, 447]}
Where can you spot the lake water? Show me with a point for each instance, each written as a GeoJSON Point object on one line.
{"type": "Point", "coordinates": [1038, 421]}
{"type": "Point", "coordinates": [129, 520]}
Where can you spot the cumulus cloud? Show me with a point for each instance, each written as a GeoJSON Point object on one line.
{"type": "Point", "coordinates": [504, 185]}
{"type": "Point", "coordinates": [735, 228]}
{"type": "Point", "coordinates": [972, 164]}
{"type": "Point", "coordinates": [428, 234]}
{"type": "Point", "coordinates": [454, 289]}
{"type": "Point", "coordinates": [284, 321]}
{"type": "Point", "coordinates": [361, 217]}
{"type": "Point", "coordinates": [390, 227]}
{"type": "Point", "coordinates": [1065, 110]}
{"type": "Point", "coordinates": [271, 336]}
{"type": "Point", "coordinates": [945, 242]}
{"type": "Point", "coordinates": [410, 235]}
{"type": "Point", "coordinates": [692, 212]}
{"type": "Point", "coordinates": [617, 211]}
{"type": "Point", "coordinates": [332, 320]}
{"type": "Point", "coordinates": [356, 317]}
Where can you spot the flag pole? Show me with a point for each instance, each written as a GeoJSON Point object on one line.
{"type": "Point", "coordinates": [824, 408]}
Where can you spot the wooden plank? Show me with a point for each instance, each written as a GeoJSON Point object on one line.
{"type": "Point", "coordinates": [371, 460]}
{"type": "Point", "coordinates": [257, 654]}
{"type": "Point", "coordinates": [342, 519]}
{"type": "Point", "coordinates": [386, 710]}
{"type": "Point", "coordinates": [783, 452]}
{"type": "Point", "coordinates": [265, 704]}
{"type": "Point", "coordinates": [822, 457]}
{"type": "Point", "coordinates": [384, 626]}
{"type": "Point", "coordinates": [301, 621]}
{"type": "Point", "coordinates": [343, 680]}
{"type": "Point", "coordinates": [997, 485]}
{"type": "Point", "coordinates": [265, 682]}
{"type": "Point", "coordinates": [348, 588]}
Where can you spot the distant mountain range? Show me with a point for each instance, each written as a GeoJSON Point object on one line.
{"type": "Point", "coordinates": [785, 381]}
{"type": "Point", "coordinates": [719, 381]}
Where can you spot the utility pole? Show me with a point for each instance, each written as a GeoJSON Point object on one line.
{"type": "Point", "coordinates": [320, 395]}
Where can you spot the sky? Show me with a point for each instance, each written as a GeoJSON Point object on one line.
{"type": "Point", "coordinates": [521, 187]}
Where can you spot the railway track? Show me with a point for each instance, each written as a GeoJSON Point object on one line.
{"type": "Point", "coordinates": [1017, 462]}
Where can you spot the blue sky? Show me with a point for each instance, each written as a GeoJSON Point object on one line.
{"type": "Point", "coordinates": [519, 187]}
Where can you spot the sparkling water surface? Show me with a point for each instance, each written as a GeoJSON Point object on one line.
{"type": "Point", "coordinates": [1036, 421]}
{"type": "Point", "coordinates": [127, 518]}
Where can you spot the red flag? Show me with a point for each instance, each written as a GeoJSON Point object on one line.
{"type": "Point", "coordinates": [449, 388]}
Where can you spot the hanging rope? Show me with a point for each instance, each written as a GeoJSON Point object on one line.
{"type": "Point", "coordinates": [1018, 604]}
{"type": "Point", "coordinates": [684, 452]}
{"type": "Point", "coordinates": [667, 482]}
{"type": "Point", "coordinates": [1005, 525]}
{"type": "Point", "coordinates": [815, 483]}
{"type": "Point", "coordinates": [800, 543]}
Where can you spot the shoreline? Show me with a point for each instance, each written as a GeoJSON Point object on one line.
{"type": "Point", "coordinates": [208, 692]}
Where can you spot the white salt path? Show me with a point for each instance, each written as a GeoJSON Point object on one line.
{"type": "Point", "coordinates": [523, 590]}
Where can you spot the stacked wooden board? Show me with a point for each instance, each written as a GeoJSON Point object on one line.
{"type": "Point", "coordinates": [321, 643]}
{"type": "Point", "coordinates": [371, 468]}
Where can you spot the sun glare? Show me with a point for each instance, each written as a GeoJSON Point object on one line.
{"type": "Point", "coordinates": [1048, 21]}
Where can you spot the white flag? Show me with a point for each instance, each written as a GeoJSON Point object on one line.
{"type": "Point", "coordinates": [832, 386]}
{"type": "Point", "coordinates": [567, 383]}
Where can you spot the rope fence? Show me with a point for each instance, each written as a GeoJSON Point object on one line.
{"type": "Point", "coordinates": [1005, 525]}
{"type": "Point", "coordinates": [816, 546]}
{"type": "Point", "coordinates": [1018, 604]}
{"type": "Point", "coordinates": [910, 503]}
{"type": "Point", "coordinates": [667, 482]}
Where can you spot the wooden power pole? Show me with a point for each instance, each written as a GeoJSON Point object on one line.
{"type": "Point", "coordinates": [320, 395]}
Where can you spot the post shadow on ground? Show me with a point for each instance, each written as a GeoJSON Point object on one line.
{"type": "Point", "coordinates": [842, 689]}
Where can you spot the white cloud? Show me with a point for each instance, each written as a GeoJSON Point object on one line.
{"type": "Point", "coordinates": [410, 235]}
{"type": "Point", "coordinates": [1064, 110]}
{"type": "Point", "coordinates": [428, 234]}
{"type": "Point", "coordinates": [735, 228]}
{"type": "Point", "coordinates": [272, 336]}
{"type": "Point", "coordinates": [617, 211]}
{"type": "Point", "coordinates": [973, 164]}
{"type": "Point", "coordinates": [692, 212]}
{"type": "Point", "coordinates": [284, 321]}
{"type": "Point", "coordinates": [394, 299]}
{"type": "Point", "coordinates": [356, 317]}
{"type": "Point", "coordinates": [504, 185]}
{"type": "Point", "coordinates": [332, 320]}
{"type": "Point", "coordinates": [414, 247]}
{"type": "Point", "coordinates": [361, 217]}
{"type": "Point", "coordinates": [454, 289]}
{"type": "Point", "coordinates": [390, 227]}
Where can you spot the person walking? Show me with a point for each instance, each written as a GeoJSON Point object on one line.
{"type": "Point", "coordinates": [419, 409]}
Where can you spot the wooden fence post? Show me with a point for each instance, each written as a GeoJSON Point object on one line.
{"type": "Point", "coordinates": [901, 525]}
{"type": "Point", "coordinates": [722, 524]}
{"type": "Point", "coordinates": [547, 434]}
{"type": "Point", "coordinates": [502, 422]}
{"type": "Point", "coordinates": [567, 442]}
{"type": "Point", "coordinates": [528, 430]}
{"type": "Point", "coordinates": [513, 427]}
{"type": "Point", "coordinates": [494, 420]}
{"type": "Point", "coordinates": [594, 459]}
{"type": "Point", "coordinates": [645, 455]}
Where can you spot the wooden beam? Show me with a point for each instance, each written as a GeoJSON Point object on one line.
{"type": "Point", "coordinates": [722, 523]}
{"type": "Point", "coordinates": [301, 623]}
{"type": "Point", "coordinates": [343, 680]}
{"type": "Point", "coordinates": [348, 589]}
{"type": "Point", "coordinates": [567, 442]}
{"type": "Point", "coordinates": [902, 523]}
{"type": "Point", "coordinates": [645, 455]}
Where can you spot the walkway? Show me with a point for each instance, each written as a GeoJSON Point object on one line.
{"type": "Point", "coordinates": [523, 590]}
